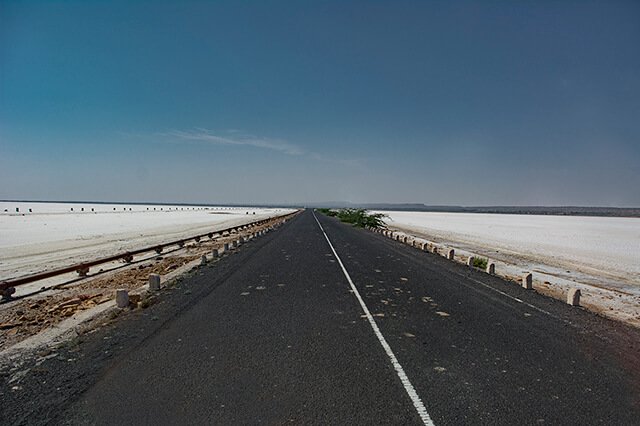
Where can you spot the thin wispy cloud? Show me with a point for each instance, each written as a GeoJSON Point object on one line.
{"type": "Point", "coordinates": [236, 138]}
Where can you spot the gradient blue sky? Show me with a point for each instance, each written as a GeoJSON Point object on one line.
{"type": "Point", "coordinates": [466, 103]}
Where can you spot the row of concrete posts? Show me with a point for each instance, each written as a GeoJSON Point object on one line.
{"type": "Point", "coordinates": [122, 295]}
{"type": "Point", "coordinates": [573, 296]}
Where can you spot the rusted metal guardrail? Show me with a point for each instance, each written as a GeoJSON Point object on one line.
{"type": "Point", "coordinates": [7, 287]}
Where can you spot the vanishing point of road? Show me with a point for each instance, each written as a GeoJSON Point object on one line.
{"type": "Point", "coordinates": [323, 323]}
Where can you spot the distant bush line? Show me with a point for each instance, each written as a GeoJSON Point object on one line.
{"type": "Point", "coordinates": [357, 217]}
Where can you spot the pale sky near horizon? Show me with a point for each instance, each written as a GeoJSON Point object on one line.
{"type": "Point", "coordinates": [455, 103]}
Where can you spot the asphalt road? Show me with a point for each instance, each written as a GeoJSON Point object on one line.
{"type": "Point", "coordinates": [285, 331]}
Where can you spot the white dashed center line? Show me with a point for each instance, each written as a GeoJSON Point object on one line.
{"type": "Point", "coordinates": [413, 395]}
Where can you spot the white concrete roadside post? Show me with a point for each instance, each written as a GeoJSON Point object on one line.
{"type": "Point", "coordinates": [527, 281]}
{"type": "Point", "coordinates": [470, 261]}
{"type": "Point", "coordinates": [573, 297]}
{"type": "Point", "coordinates": [122, 298]}
{"type": "Point", "coordinates": [154, 282]}
{"type": "Point", "coordinates": [491, 268]}
{"type": "Point", "coordinates": [451, 254]}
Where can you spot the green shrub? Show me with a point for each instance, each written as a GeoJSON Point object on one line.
{"type": "Point", "coordinates": [357, 217]}
{"type": "Point", "coordinates": [328, 212]}
{"type": "Point", "coordinates": [480, 262]}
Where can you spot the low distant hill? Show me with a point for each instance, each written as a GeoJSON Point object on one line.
{"type": "Point", "coordinates": [539, 210]}
{"type": "Point", "coordinates": [415, 207]}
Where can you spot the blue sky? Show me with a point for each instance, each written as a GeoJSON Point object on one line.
{"type": "Point", "coordinates": [465, 103]}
